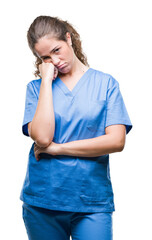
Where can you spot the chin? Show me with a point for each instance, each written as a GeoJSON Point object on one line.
{"type": "Point", "coordinates": [65, 70]}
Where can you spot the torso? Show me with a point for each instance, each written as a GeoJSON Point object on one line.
{"type": "Point", "coordinates": [72, 183]}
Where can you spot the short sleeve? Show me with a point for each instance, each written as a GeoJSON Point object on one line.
{"type": "Point", "coordinates": [116, 109]}
{"type": "Point", "coordinates": [30, 107]}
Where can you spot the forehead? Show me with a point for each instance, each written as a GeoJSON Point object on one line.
{"type": "Point", "coordinates": [45, 45]}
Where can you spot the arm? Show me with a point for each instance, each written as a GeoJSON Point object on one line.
{"type": "Point", "coordinates": [112, 141]}
{"type": "Point", "coordinates": [41, 129]}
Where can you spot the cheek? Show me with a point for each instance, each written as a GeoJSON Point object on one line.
{"type": "Point", "coordinates": [68, 54]}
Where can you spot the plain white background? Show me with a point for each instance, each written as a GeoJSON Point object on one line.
{"type": "Point", "coordinates": [117, 39]}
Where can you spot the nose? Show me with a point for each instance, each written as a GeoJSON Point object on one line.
{"type": "Point", "coordinates": [55, 60]}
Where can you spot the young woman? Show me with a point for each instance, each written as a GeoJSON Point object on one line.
{"type": "Point", "coordinates": [76, 117]}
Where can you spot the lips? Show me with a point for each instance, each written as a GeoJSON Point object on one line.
{"type": "Point", "coordinates": [61, 66]}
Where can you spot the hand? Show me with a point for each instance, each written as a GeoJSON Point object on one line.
{"type": "Point", "coordinates": [52, 149]}
{"type": "Point", "coordinates": [48, 71]}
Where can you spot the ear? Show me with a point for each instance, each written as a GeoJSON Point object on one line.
{"type": "Point", "coordinates": [68, 37]}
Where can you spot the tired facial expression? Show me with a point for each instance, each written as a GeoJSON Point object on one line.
{"type": "Point", "coordinates": [57, 52]}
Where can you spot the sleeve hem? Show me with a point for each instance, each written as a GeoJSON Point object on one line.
{"type": "Point", "coordinates": [25, 129]}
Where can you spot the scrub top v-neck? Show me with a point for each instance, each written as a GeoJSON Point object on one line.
{"type": "Point", "coordinates": [71, 93]}
{"type": "Point", "coordinates": [73, 183]}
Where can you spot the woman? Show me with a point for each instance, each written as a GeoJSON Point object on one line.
{"type": "Point", "coordinates": [77, 117]}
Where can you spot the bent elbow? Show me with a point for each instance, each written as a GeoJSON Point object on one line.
{"type": "Point", "coordinates": [43, 142]}
{"type": "Point", "coordinates": [120, 146]}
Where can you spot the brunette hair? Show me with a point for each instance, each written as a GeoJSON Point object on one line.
{"type": "Point", "coordinates": [54, 26]}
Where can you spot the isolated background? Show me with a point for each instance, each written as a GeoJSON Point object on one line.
{"type": "Point", "coordinates": [117, 39]}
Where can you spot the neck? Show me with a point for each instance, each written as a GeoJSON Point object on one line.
{"type": "Point", "coordinates": [77, 68]}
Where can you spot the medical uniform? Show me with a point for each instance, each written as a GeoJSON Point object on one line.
{"type": "Point", "coordinates": [73, 183]}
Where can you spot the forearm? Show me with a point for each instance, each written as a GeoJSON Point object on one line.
{"type": "Point", "coordinates": [92, 147]}
{"type": "Point", "coordinates": [43, 123]}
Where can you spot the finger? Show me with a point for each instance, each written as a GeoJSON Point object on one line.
{"type": "Point", "coordinates": [37, 157]}
{"type": "Point", "coordinates": [35, 147]}
{"type": "Point", "coordinates": [55, 74]}
{"type": "Point", "coordinates": [36, 153]}
{"type": "Point", "coordinates": [35, 150]}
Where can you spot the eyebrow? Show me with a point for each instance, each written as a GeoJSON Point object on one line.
{"type": "Point", "coordinates": [50, 52]}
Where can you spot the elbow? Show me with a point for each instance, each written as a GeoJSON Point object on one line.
{"type": "Point", "coordinates": [42, 142]}
{"type": "Point", "coordinates": [121, 142]}
{"type": "Point", "coordinates": [41, 139]}
{"type": "Point", "coordinates": [120, 146]}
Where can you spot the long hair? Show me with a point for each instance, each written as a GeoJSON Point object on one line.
{"type": "Point", "coordinates": [47, 25]}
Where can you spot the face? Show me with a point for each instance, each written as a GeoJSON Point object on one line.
{"type": "Point", "coordinates": [57, 52]}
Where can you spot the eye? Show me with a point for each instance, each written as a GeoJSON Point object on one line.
{"type": "Point", "coordinates": [56, 50]}
{"type": "Point", "coordinates": [45, 58]}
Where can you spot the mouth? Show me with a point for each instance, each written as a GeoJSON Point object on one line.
{"type": "Point", "coordinates": [61, 66]}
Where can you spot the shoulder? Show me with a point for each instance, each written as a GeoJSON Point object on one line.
{"type": "Point", "coordinates": [106, 78]}
{"type": "Point", "coordinates": [35, 82]}
{"type": "Point", "coordinates": [34, 86]}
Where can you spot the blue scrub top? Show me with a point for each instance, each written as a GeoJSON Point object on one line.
{"type": "Point", "coordinates": [71, 183]}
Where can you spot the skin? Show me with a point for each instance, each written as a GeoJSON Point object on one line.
{"type": "Point", "coordinates": [57, 52]}
{"type": "Point", "coordinates": [112, 141]}
{"type": "Point", "coordinates": [53, 53]}
{"type": "Point", "coordinates": [114, 138]}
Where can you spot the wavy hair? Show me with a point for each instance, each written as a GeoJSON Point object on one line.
{"type": "Point", "coordinates": [54, 26]}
